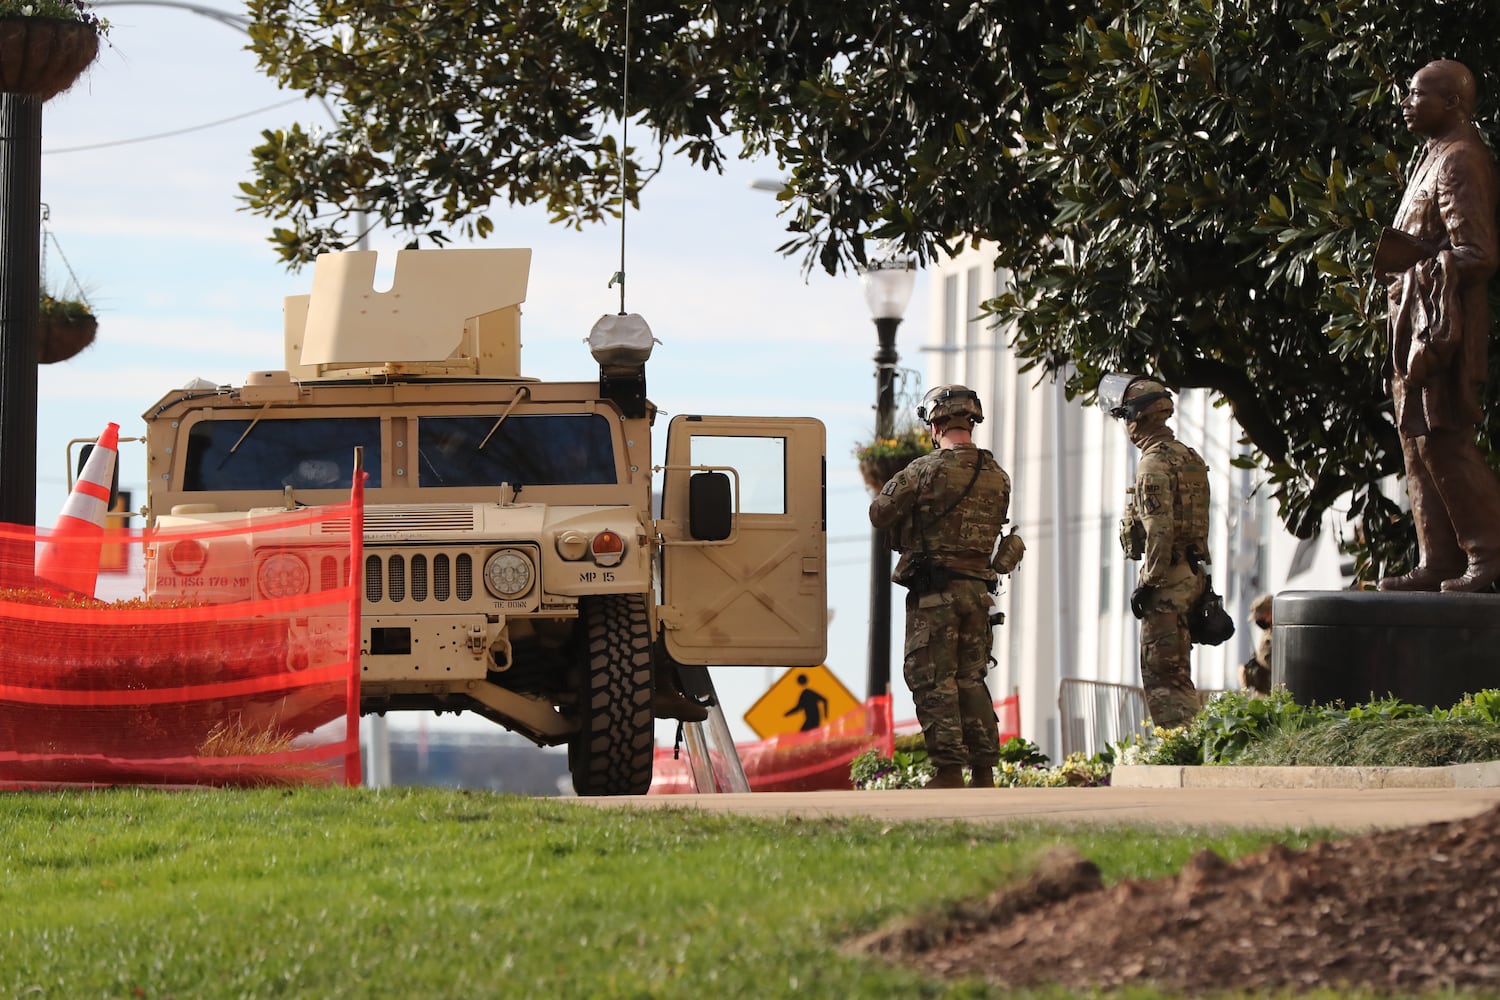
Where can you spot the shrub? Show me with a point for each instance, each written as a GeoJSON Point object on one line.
{"type": "Point", "coordinates": [1276, 731]}
{"type": "Point", "coordinates": [1022, 765]}
{"type": "Point", "coordinates": [872, 770]}
{"type": "Point", "coordinates": [1018, 751]}
{"type": "Point", "coordinates": [1234, 728]}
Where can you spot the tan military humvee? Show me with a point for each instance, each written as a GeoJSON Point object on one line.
{"type": "Point", "coordinates": [514, 565]}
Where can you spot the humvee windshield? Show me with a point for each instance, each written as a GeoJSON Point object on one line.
{"type": "Point", "coordinates": [305, 454]}
{"type": "Point", "coordinates": [524, 450]}
{"type": "Point", "coordinates": [527, 450]}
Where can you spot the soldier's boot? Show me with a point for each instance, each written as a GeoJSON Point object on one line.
{"type": "Point", "coordinates": [948, 776]}
{"type": "Point", "coordinates": [982, 776]}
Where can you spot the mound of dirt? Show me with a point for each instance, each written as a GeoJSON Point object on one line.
{"type": "Point", "coordinates": [1398, 911]}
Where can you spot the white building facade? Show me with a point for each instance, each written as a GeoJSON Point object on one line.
{"type": "Point", "coordinates": [1068, 605]}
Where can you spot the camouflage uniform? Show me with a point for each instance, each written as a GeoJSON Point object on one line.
{"type": "Point", "coordinates": [948, 630]}
{"type": "Point", "coordinates": [1167, 514]}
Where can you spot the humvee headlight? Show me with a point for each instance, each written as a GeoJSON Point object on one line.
{"type": "Point", "coordinates": [508, 574]}
{"type": "Point", "coordinates": [282, 575]}
{"type": "Point", "coordinates": [572, 544]}
{"type": "Point", "coordinates": [608, 548]}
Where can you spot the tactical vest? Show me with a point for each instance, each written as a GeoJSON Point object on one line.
{"type": "Point", "coordinates": [1189, 478]}
{"type": "Point", "coordinates": [965, 536]}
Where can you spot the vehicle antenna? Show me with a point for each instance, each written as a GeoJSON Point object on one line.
{"type": "Point", "coordinates": [619, 276]}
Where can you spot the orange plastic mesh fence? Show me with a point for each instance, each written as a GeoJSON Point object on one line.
{"type": "Point", "coordinates": [818, 759]}
{"type": "Point", "coordinates": [1007, 716]}
{"type": "Point", "coordinates": [235, 662]}
{"type": "Point", "coordinates": [814, 760]}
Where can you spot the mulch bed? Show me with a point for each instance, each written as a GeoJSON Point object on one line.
{"type": "Point", "coordinates": [1399, 912]}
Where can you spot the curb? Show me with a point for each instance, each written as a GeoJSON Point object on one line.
{"type": "Point", "coordinates": [1486, 775]}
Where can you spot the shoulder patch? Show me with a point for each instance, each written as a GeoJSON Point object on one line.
{"type": "Point", "coordinates": [1152, 490]}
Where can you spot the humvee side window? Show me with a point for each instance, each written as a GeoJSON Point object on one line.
{"type": "Point", "coordinates": [556, 449]}
{"type": "Point", "coordinates": [760, 461]}
{"type": "Point", "coordinates": [304, 454]}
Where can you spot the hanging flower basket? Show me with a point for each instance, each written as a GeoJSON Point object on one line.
{"type": "Point", "coordinates": [63, 329]}
{"type": "Point", "coordinates": [884, 457]}
{"type": "Point", "coordinates": [42, 56]}
{"type": "Point", "coordinates": [60, 339]}
{"type": "Point", "coordinates": [879, 471]}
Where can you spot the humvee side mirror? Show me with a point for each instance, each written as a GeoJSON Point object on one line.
{"type": "Point", "coordinates": [710, 507]}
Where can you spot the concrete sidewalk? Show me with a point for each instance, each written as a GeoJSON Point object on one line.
{"type": "Point", "coordinates": [1343, 809]}
{"type": "Point", "coordinates": [1486, 775]}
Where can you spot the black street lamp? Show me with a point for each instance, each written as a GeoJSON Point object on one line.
{"type": "Point", "coordinates": [43, 56]}
{"type": "Point", "coordinates": [888, 286]}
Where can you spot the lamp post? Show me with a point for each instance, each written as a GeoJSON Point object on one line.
{"type": "Point", "coordinates": [888, 286]}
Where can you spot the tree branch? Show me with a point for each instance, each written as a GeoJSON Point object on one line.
{"type": "Point", "coordinates": [1234, 385]}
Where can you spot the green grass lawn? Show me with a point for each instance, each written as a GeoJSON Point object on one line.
{"type": "Point", "coordinates": [433, 893]}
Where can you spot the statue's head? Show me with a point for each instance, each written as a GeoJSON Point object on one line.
{"type": "Point", "coordinates": [1441, 96]}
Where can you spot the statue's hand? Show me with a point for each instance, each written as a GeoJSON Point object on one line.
{"type": "Point", "coordinates": [1422, 365]}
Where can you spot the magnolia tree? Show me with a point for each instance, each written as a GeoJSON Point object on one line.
{"type": "Point", "coordinates": [1192, 188]}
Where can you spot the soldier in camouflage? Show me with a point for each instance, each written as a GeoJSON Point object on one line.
{"type": "Point", "coordinates": [1166, 528]}
{"type": "Point", "coordinates": [944, 513]}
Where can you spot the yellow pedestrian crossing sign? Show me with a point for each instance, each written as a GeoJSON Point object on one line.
{"type": "Point", "coordinates": [803, 698]}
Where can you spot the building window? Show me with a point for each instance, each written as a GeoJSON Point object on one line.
{"type": "Point", "coordinates": [950, 325]}
{"type": "Point", "coordinates": [1109, 543]}
{"type": "Point", "coordinates": [973, 325]}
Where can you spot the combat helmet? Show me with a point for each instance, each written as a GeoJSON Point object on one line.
{"type": "Point", "coordinates": [945, 402]}
{"type": "Point", "coordinates": [1130, 397]}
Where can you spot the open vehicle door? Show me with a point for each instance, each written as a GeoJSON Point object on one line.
{"type": "Point", "coordinates": [744, 541]}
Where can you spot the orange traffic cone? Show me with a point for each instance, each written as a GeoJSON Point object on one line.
{"type": "Point", "coordinates": [67, 558]}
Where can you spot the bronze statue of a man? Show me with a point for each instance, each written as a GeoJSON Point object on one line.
{"type": "Point", "coordinates": [1437, 259]}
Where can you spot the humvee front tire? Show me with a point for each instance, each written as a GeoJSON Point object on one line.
{"type": "Point", "coordinates": [612, 752]}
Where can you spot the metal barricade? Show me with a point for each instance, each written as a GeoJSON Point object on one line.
{"type": "Point", "coordinates": [1095, 714]}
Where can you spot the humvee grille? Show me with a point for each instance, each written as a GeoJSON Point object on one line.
{"type": "Point", "coordinates": [329, 572]}
{"type": "Point", "coordinates": [409, 519]}
{"type": "Point", "coordinates": [398, 577]}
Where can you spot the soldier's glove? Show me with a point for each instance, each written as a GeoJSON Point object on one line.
{"type": "Point", "coordinates": [1140, 600]}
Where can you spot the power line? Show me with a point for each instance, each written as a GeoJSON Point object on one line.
{"type": "Point", "coordinates": [177, 132]}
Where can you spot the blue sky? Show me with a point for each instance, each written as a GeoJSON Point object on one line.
{"type": "Point", "coordinates": [186, 286]}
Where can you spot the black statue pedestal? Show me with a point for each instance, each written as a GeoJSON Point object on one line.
{"type": "Point", "coordinates": [1357, 645]}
